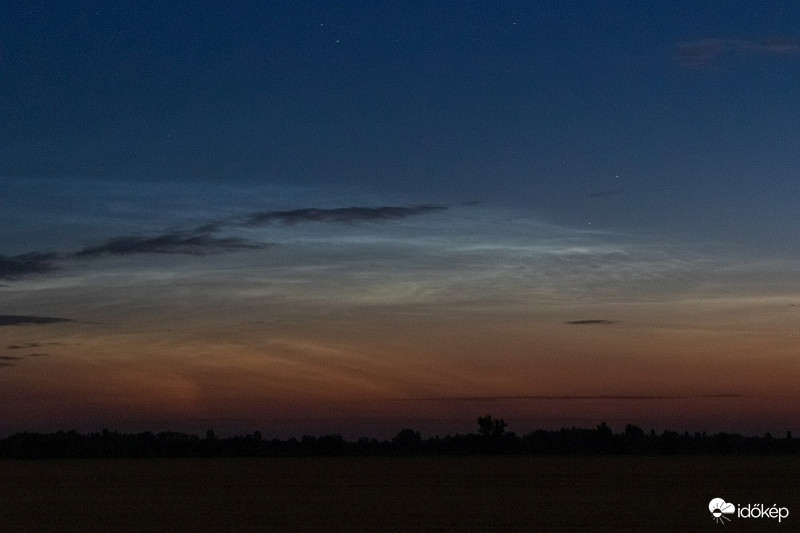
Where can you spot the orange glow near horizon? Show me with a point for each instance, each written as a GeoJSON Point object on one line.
{"type": "Point", "coordinates": [336, 370]}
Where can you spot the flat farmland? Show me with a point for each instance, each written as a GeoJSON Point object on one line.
{"type": "Point", "coordinates": [475, 493]}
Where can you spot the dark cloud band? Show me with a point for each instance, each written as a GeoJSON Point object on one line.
{"type": "Point", "coordinates": [171, 243]}
{"type": "Point", "coordinates": [202, 240]}
{"type": "Point", "coordinates": [21, 320]}
{"type": "Point", "coordinates": [12, 267]}
{"type": "Point", "coordinates": [342, 215]}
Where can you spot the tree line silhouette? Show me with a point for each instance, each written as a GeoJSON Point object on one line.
{"type": "Point", "coordinates": [491, 439]}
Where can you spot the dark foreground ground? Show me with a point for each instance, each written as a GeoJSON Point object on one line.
{"type": "Point", "coordinates": [394, 494]}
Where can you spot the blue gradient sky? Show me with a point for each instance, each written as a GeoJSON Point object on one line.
{"type": "Point", "coordinates": [593, 215]}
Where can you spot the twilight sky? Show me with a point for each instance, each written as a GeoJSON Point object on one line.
{"type": "Point", "coordinates": [359, 216]}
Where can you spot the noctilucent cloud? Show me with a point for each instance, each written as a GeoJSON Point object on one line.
{"type": "Point", "coordinates": [357, 217]}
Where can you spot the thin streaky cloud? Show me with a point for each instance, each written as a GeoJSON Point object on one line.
{"type": "Point", "coordinates": [170, 243]}
{"type": "Point", "coordinates": [29, 345]}
{"type": "Point", "coordinates": [703, 52]}
{"type": "Point", "coordinates": [21, 320]}
{"type": "Point", "coordinates": [590, 322]}
{"type": "Point", "coordinates": [773, 46]}
{"type": "Point", "coordinates": [202, 241]}
{"type": "Point", "coordinates": [212, 227]}
{"type": "Point", "coordinates": [342, 215]}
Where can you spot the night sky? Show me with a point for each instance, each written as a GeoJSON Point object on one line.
{"type": "Point", "coordinates": [353, 217]}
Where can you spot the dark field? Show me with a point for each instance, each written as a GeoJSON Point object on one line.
{"type": "Point", "coordinates": [394, 494]}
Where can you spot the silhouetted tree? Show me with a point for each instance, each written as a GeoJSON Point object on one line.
{"type": "Point", "coordinates": [407, 440]}
{"type": "Point", "coordinates": [633, 439]}
{"type": "Point", "coordinates": [492, 438]}
{"type": "Point", "coordinates": [489, 427]}
{"type": "Point", "coordinates": [330, 445]}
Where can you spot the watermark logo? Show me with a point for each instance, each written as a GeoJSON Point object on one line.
{"type": "Point", "coordinates": [719, 508]}
{"type": "Point", "coordinates": [722, 511]}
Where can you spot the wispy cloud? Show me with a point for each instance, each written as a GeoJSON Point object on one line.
{"type": "Point", "coordinates": [11, 360]}
{"type": "Point", "coordinates": [13, 267]}
{"type": "Point", "coordinates": [701, 53]}
{"type": "Point", "coordinates": [342, 215]}
{"type": "Point", "coordinates": [29, 345]}
{"type": "Point", "coordinates": [170, 243]}
{"type": "Point", "coordinates": [20, 320]}
{"type": "Point", "coordinates": [773, 46]}
{"type": "Point", "coordinates": [203, 241]}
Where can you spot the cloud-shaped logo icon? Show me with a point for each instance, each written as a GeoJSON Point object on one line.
{"type": "Point", "coordinates": [719, 508]}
